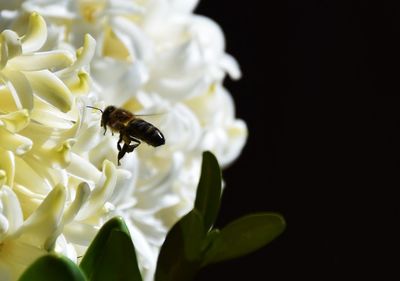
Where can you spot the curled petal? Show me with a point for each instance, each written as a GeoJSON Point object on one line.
{"type": "Point", "coordinates": [10, 46]}
{"type": "Point", "coordinates": [102, 193]}
{"type": "Point", "coordinates": [79, 84]}
{"type": "Point", "coordinates": [83, 57]}
{"type": "Point", "coordinates": [47, 86]}
{"type": "Point", "coordinates": [15, 121]}
{"type": "Point", "coordinates": [237, 135]}
{"type": "Point", "coordinates": [230, 64]}
{"type": "Point", "coordinates": [36, 35]}
{"type": "Point", "coordinates": [82, 194]}
{"type": "Point", "coordinates": [58, 156]}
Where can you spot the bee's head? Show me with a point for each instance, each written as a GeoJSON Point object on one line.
{"type": "Point", "coordinates": [105, 118]}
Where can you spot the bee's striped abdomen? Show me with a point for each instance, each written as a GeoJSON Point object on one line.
{"type": "Point", "coordinates": [146, 132]}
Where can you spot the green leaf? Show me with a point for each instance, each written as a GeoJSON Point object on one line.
{"type": "Point", "coordinates": [53, 268]}
{"type": "Point", "coordinates": [118, 260]}
{"type": "Point", "coordinates": [98, 249]}
{"type": "Point", "coordinates": [180, 255]}
{"type": "Point", "coordinates": [209, 190]}
{"type": "Point", "coordinates": [244, 236]}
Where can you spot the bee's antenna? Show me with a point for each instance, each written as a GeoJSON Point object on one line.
{"type": "Point", "coordinates": [95, 108]}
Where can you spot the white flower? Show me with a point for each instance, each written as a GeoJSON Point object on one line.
{"type": "Point", "coordinates": [56, 185]}
{"type": "Point", "coordinates": [151, 57]}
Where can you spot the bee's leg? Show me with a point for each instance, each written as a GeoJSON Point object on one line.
{"type": "Point", "coordinates": [105, 130]}
{"type": "Point", "coordinates": [122, 152]}
{"type": "Point", "coordinates": [119, 142]}
{"type": "Point", "coordinates": [127, 148]}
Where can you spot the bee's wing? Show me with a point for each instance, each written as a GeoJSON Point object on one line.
{"type": "Point", "coordinates": [151, 114]}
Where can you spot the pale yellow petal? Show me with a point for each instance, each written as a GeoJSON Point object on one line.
{"type": "Point", "coordinates": [14, 142]}
{"type": "Point", "coordinates": [10, 46]}
{"type": "Point", "coordinates": [50, 117]}
{"type": "Point", "coordinates": [3, 178]}
{"type": "Point", "coordinates": [113, 47]}
{"type": "Point", "coordinates": [53, 60]}
{"type": "Point", "coordinates": [15, 121]}
{"type": "Point", "coordinates": [82, 194]}
{"type": "Point", "coordinates": [36, 34]}
{"type": "Point", "coordinates": [7, 103]}
{"type": "Point", "coordinates": [79, 84]}
{"type": "Point", "coordinates": [11, 209]}
{"type": "Point", "coordinates": [50, 88]}
{"type": "Point", "coordinates": [27, 176]}
{"type": "Point", "coordinates": [56, 157]}
{"type": "Point", "coordinates": [17, 255]}
{"type": "Point", "coordinates": [7, 164]}
{"type": "Point", "coordinates": [19, 87]}
{"type": "Point", "coordinates": [44, 222]}
{"type": "Point", "coordinates": [80, 233]}
{"type": "Point", "coordinates": [29, 200]}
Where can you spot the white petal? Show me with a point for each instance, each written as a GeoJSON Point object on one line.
{"type": "Point", "coordinates": [184, 6]}
{"type": "Point", "coordinates": [230, 65]}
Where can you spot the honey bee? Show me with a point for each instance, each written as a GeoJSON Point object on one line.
{"type": "Point", "coordinates": [131, 129]}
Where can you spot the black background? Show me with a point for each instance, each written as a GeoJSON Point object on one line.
{"type": "Point", "coordinates": [319, 94]}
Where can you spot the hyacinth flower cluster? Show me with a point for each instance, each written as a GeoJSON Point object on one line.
{"type": "Point", "coordinates": [59, 178]}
